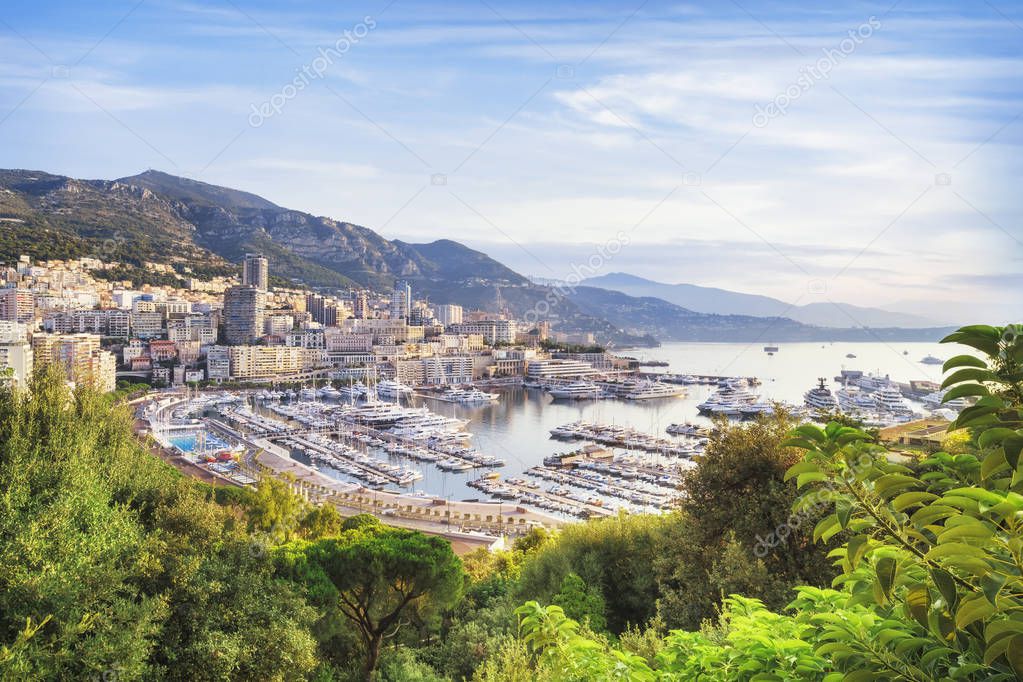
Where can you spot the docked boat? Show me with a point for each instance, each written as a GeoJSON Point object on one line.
{"type": "Point", "coordinates": [853, 400]}
{"type": "Point", "coordinates": [890, 401]}
{"type": "Point", "coordinates": [648, 390]}
{"type": "Point", "coordinates": [577, 390]}
{"type": "Point", "coordinates": [470, 396]}
{"type": "Point", "coordinates": [730, 396]}
{"type": "Point", "coordinates": [820, 398]}
{"type": "Point", "coordinates": [389, 388]}
{"type": "Point", "coordinates": [354, 391]}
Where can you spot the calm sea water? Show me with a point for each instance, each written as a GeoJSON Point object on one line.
{"type": "Point", "coordinates": [517, 428]}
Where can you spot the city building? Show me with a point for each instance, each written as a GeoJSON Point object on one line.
{"type": "Point", "coordinates": [557, 369]}
{"type": "Point", "coordinates": [79, 355]}
{"type": "Point", "coordinates": [243, 314]}
{"type": "Point", "coordinates": [401, 301]}
{"type": "Point", "coordinates": [15, 354]}
{"type": "Point", "coordinates": [17, 305]}
{"type": "Point", "coordinates": [448, 314]}
{"type": "Point", "coordinates": [493, 331]}
{"type": "Point", "coordinates": [261, 362]}
{"type": "Point", "coordinates": [256, 271]}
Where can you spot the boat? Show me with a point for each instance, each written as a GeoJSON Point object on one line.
{"type": "Point", "coordinates": [853, 400]}
{"type": "Point", "coordinates": [470, 396]}
{"type": "Point", "coordinates": [354, 391]}
{"type": "Point", "coordinates": [890, 401]}
{"type": "Point", "coordinates": [389, 388]}
{"type": "Point", "coordinates": [770, 350]}
{"type": "Point", "coordinates": [820, 398]}
{"type": "Point", "coordinates": [931, 360]}
{"type": "Point", "coordinates": [577, 390]}
{"type": "Point", "coordinates": [850, 355]}
{"type": "Point", "coordinates": [648, 390]}
{"type": "Point", "coordinates": [729, 397]}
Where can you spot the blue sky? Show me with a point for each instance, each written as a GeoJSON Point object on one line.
{"type": "Point", "coordinates": [755, 146]}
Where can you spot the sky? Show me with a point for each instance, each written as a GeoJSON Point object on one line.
{"type": "Point", "coordinates": [868, 153]}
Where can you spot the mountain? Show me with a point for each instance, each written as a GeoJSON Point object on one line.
{"type": "Point", "coordinates": [669, 322]}
{"type": "Point", "coordinates": [202, 229]}
{"type": "Point", "coordinates": [724, 302]}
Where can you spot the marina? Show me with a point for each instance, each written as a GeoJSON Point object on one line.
{"type": "Point", "coordinates": [454, 449]}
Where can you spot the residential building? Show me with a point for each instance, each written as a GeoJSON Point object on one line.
{"type": "Point", "coordinates": [17, 305]}
{"type": "Point", "coordinates": [256, 271]}
{"type": "Point", "coordinates": [401, 301]}
{"type": "Point", "coordinates": [243, 314]}
{"type": "Point", "coordinates": [448, 314]}
{"type": "Point", "coordinates": [15, 354]}
{"type": "Point", "coordinates": [79, 355]}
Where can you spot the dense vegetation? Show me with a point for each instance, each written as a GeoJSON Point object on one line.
{"type": "Point", "coordinates": [800, 552]}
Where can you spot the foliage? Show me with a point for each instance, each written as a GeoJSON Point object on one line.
{"type": "Point", "coordinates": [379, 578]}
{"type": "Point", "coordinates": [111, 563]}
{"type": "Point", "coordinates": [613, 556]}
{"type": "Point", "coordinates": [581, 602]}
{"type": "Point", "coordinates": [734, 532]}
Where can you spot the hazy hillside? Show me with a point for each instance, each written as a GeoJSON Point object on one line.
{"type": "Point", "coordinates": [724, 302]}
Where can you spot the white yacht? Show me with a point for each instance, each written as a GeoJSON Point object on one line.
{"type": "Point", "coordinates": [820, 398]}
{"type": "Point", "coordinates": [470, 396]}
{"type": "Point", "coordinates": [890, 401]}
{"type": "Point", "coordinates": [853, 400]}
{"type": "Point", "coordinates": [933, 401]}
{"type": "Point", "coordinates": [389, 388]}
{"type": "Point", "coordinates": [647, 390]}
{"type": "Point", "coordinates": [354, 391]}
{"type": "Point", "coordinates": [577, 390]}
{"type": "Point", "coordinates": [931, 360]}
{"type": "Point", "coordinates": [731, 395]}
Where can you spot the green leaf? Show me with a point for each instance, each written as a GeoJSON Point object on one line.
{"type": "Point", "coordinates": [800, 468]}
{"type": "Point", "coordinates": [964, 391]}
{"type": "Point", "coordinates": [973, 608]}
{"type": "Point", "coordinates": [994, 436]}
{"type": "Point", "coordinates": [1012, 447]}
{"type": "Point", "coordinates": [918, 599]}
{"type": "Point", "coordinates": [969, 374]}
{"type": "Point", "coordinates": [901, 502]}
{"type": "Point", "coordinates": [992, 584]}
{"type": "Point", "coordinates": [963, 361]}
{"type": "Point", "coordinates": [810, 477]}
{"type": "Point", "coordinates": [886, 568]}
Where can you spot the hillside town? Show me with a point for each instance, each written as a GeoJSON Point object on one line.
{"type": "Point", "coordinates": [243, 330]}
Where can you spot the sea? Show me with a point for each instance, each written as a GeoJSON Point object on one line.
{"type": "Point", "coordinates": [517, 427]}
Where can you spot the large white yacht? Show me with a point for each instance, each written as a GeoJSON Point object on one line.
{"type": "Point", "coordinates": [854, 400]}
{"type": "Point", "coordinates": [389, 388]}
{"type": "Point", "coordinates": [731, 396]}
{"type": "Point", "coordinates": [820, 398]}
{"type": "Point", "coordinates": [469, 396]}
{"type": "Point", "coordinates": [354, 391]}
{"type": "Point", "coordinates": [647, 390]}
{"type": "Point", "coordinates": [890, 401]}
{"type": "Point", "coordinates": [577, 390]}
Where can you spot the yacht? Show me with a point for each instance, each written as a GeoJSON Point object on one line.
{"type": "Point", "coordinates": [820, 398]}
{"type": "Point", "coordinates": [472, 396]}
{"type": "Point", "coordinates": [873, 382]}
{"type": "Point", "coordinates": [393, 389]}
{"type": "Point", "coordinates": [577, 390]}
{"type": "Point", "coordinates": [354, 391]}
{"type": "Point", "coordinates": [933, 402]}
{"type": "Point", "coordinates": [854, 400]}
{"type": "Point", "coordinates": [654, 389]}
{"type": "Point", "coordinates": [890, 401]}
{"type": "Point", "coordinates": [931, 360]}
{"type": "Point", "coordinates": [850, 355]}
{"type": "Point", "coordinates": [770, 350]}
{"type": "Point", "coordinates": [729, 397]}
{"type": "Point", "coordinates": [307, 394]}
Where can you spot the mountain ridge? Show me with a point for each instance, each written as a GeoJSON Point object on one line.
{"type": "Point", "coordinates": [714, 300]}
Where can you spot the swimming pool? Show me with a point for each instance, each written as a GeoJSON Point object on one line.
{"type": "Point", "coordinates": [188, 442]}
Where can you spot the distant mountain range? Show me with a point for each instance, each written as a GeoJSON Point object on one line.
{"type": "Point", "coordinates": [724, 302]}
{"type": "Point", "coordinates": [203, 230]}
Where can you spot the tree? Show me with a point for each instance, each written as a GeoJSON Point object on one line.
{"type": "Point", "coordinates": [581, 602]}
{"type": "Point", "coordinates": [735, 531]}
{"type": "Point", "coordinates": [380, 578]}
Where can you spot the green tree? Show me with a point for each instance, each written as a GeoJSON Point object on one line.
{"type": "Point", "coordinates": [380, 578]}
{"type": "Point", "coordinates": [581, 602]}
{"type": "Point", "coordinates": [735, 530]}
